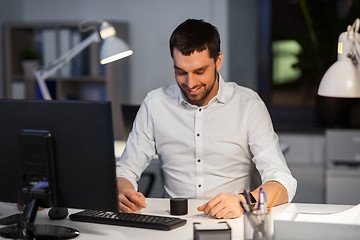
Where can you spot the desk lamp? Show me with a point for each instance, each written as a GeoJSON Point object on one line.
{"type": "Point", "coordinates": [342, 79]}
{"type": "Point", "coordinates": [112, 49]}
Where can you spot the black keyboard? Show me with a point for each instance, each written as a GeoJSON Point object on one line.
{"type": "Point", "coordinates": [128, 219]}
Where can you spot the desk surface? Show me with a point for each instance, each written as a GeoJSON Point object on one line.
{"type": "Point", "coordinates": [159, 206]}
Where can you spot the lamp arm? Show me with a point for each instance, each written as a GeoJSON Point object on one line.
{"type": "Point", "coordinates": [48, 70]}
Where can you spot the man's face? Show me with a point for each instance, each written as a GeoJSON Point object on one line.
{"type": "Point", "coordinates": [197, 75]}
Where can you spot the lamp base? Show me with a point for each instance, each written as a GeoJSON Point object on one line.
{"type": "Point", "coordinates": [37, 231]}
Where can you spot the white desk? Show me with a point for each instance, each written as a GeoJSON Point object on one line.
{"type": "Point", "coordinates": [161, 207]}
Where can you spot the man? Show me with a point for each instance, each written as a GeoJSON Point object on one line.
{"type": "Point", "coordinates": [206, 133]}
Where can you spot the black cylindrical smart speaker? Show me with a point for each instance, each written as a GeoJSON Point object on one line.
{"type": "Point", "coordinates": [178, 206]}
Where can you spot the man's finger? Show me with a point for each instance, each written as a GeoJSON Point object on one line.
{"type": "Point", "coordinates": [201, 208]}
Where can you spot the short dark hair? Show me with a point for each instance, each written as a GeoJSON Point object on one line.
{"type": "Point", "coordinates": [195, 35]}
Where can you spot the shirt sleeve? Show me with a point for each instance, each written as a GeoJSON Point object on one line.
{"type": "Point", "coordinates": [264, 145]}
{"type": "Point", "coordinates": [140, 147]}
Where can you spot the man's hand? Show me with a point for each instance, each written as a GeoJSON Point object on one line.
{"type": "Point", "coordinates": [222, 206]}
{"type": "Point", "coordinates": [131, 201]}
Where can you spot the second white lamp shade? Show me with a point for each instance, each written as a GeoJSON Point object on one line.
{"type": "Point", "coordinates": [342, 79]}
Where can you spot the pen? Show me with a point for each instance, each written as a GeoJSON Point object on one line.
{"type": "Point", "coordinates": [245, 207]}
{"type": "Point", "coordinates": [259, 199]}
{"type": "Point", "coordinates": [262, 206]}
{"type": "Point", "coordinates": [273, 201]}
{"type": "Point", "coordinates": [247, 198]}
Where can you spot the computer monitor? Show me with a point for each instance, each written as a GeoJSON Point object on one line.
{"type": "Point", "coordinates": [79, 154]}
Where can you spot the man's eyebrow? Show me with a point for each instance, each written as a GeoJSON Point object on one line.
{"type": "Point", "coordinates": [177, 68]}
{"type": "Point", "coordinates": [198, 69]}
{"type": "Point", "coordinates": [202, 68]}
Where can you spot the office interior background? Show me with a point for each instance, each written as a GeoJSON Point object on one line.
{"type": "Point", "coordinates": [257, 54]}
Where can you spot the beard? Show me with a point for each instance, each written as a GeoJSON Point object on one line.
{"type": "Point", "coordinates": [199, 99]}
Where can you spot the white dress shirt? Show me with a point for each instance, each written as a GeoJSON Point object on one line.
{"type": "Point", "coordinates": [205, 150]}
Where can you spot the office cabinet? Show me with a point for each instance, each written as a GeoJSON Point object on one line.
{"type": "Point", "coordinates": [83, 78]}
{"type": "Point", "coordinates": [343, 186]}
{"type": "Point", "coordinates": [343, 166]}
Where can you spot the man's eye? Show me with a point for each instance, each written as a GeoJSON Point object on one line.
{"type": "Point", "coordinates": [200, 72]}
{"type": "Point", "coordinates": [182, 73]}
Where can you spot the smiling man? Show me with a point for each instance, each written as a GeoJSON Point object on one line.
{"type": "Point", "coordinates": [206, 132]}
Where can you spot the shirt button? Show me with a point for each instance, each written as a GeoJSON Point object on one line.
{"type": "Point", "coordinates": [199, 109]}
{"type": "Point", "coordinates": [198, 134]}
{"type": "Point", "coordinates": [198, 160]}
{"type": "Point", "coordinates": [199, 185]}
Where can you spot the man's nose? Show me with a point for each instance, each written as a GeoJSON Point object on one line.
{"type": "Point", "coordinates": [190, 81]}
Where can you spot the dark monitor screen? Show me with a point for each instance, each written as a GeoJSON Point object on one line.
{"type": "Point", "coordinates": [83, 150]}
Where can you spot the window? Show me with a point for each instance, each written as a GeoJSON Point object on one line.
{"type": "Point", "coordinates": [297, 44]}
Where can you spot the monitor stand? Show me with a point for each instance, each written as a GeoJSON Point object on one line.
{"type": "Point", "coordinates": [10, 220]}
{"type": "Point", "coordinates": [26, 229]}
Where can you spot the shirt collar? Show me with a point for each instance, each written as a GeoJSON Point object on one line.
{"type": "Point", "coordinates": [223, 94]}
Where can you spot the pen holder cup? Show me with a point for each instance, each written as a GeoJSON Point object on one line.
{"type": "Point", "coordinates": [258, 226]}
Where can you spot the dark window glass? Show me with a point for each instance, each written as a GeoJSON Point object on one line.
{"type": "Point", "coordinates": [297, 44]}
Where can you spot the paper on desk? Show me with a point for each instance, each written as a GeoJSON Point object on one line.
{"type": "Point", "coordinates": [349, 216]}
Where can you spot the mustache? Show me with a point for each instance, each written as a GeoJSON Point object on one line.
{"type": "Point", "coordinates": [194, 87]}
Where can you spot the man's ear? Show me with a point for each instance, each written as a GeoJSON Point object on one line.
{"type": "Point", "coordinates": [219, 61]}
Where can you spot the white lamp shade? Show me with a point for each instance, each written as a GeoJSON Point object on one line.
{"type": "Point", "coordinates": [113, 49]}
{"type": "Point", "coordinates": [341, 80]}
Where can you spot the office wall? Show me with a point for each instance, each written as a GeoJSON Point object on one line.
{"type": "Point", "coordinates": [151, 23]}
{"type": "Point", "coordinates": [243, 36]}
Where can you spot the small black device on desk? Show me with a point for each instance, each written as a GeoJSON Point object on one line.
{"type": "Point", "coordinates": [128, 219]}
